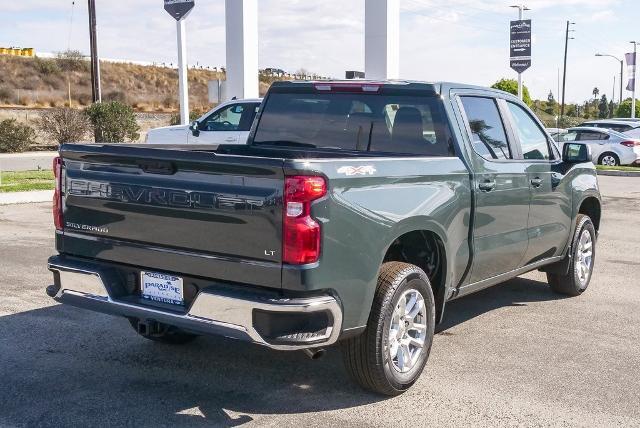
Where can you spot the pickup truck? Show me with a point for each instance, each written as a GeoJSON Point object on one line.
{"type": "Point", "coordinates": [356, 211]}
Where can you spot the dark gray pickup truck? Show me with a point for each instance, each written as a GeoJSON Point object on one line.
{"type": "Point", "coordinates": [353, 214]}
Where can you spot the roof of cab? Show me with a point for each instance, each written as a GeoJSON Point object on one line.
{"type": "Point", "coordinates": [438, 87]}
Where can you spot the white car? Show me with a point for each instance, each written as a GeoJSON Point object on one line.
{"type": "Point", "coordinates": [608, 147]}
{"type": "Point", "coordinates": [228, 123]}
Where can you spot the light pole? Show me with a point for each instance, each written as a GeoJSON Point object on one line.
{"type": "Point", "coordinates": [633, 78]}
{"type": "Point", "coordinates": [521, 8]}
{"type": "Point", "coordinates": [564, 74]}
{"type": "Point", "coordinates": [621, 68]}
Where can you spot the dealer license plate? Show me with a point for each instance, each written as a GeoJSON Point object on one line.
{"type": "Point", "coordinates": [161, 287]}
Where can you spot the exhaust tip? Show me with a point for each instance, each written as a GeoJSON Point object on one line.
{"type": "Point", "coordinates": [314, 354]}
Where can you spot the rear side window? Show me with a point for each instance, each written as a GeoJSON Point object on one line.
{"type": "Point", "coordinates": [488, 136]}
{"type": "Point", "coordinates": [386, 123]}
{"type": "Point", "coordinates": [533, 140]}
{"type": "Point", "coordinates": [591, 136]}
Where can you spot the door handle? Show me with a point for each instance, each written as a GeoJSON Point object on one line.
{"type": "Point", "coordinates": [536, 182]}
{"type": "Point", "coordinates": [487, 185]}
{"type": "Point", "coordinates": [230, 139]}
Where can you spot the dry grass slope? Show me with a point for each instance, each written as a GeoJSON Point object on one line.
{"type": "Point", "coordinates": [37, 82]}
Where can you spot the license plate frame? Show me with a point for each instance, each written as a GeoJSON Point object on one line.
{"type": "Point", "coordinates": [162, 287]}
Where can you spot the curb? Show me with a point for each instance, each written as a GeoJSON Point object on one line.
{"type": "Point", "coordinates": [11, 198]}
{"type": "Point", "coordinates": [615, 173]}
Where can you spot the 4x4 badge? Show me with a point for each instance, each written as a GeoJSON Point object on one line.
{"type": "Point", "coordinates": [357, 170]}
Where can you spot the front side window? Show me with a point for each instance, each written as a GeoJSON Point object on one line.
{"type": "Point", "coordinates": [532, 139]}
{"type": "Point", "coordinates": [376, 122]}
{"type": "Point", "coordinates": [227, 119]}
{"type": "Point", "coordinates": [489, 138]}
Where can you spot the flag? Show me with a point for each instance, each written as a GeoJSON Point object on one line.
{"type": "Point", "coordinates": [631, 70]}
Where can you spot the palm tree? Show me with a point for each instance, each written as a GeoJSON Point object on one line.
{"type": "Point", "coordinates": [596, 92]}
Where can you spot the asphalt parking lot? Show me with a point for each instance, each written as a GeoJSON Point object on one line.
{"type": "Point", "coordinates": [515, 354]}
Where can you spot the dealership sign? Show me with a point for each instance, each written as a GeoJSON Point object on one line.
{"type": "Point", "coordinates": [179, 8]}
{"type": "Point", "coordinates": [520, 45]}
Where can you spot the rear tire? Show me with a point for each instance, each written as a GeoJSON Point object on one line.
{"type": "Point", "coordinates": [609, 159]}
{"type": "Point", "coordinates": [583, 257]}
{"type": "Point", "coordinates": [164, 333]}
{"type": "Point", "coordinates": [391, 353]}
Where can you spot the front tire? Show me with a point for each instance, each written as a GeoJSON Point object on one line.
{"type": "Point", "coordinates": [609, 159]}
{"type": "Point", "coordinates": [583, 257]}
{"type": "Point", "coordinates": [391, 353]}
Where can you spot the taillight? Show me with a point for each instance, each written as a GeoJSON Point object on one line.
{"type": "Point", "coordinates": [57, 194]}
{"type": "Point", "coordinates": [301, 233]}
{"type": "Point", "coordinates": [630, 143]}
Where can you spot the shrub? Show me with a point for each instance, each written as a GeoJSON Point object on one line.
{"type": "Point", "coordinates": [113, 122]}
{"type": "Point", "coordinates": [15, 137]}
{"type": "Point", "coordinates": [193, 115]}
{"type": "Point", "coordinates": [7, 95]}
{"type": "Point", "coordinates": [71, 60]}
{"type": "Point", "coordinates": [46, 67]}
{"type": "Point", "coordinates": [64, 125]}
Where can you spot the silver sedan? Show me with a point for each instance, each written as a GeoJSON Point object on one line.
{"type": "Point", "coordinates": [608, 147]}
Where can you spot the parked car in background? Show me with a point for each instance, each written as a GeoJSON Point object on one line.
{"type": "Point", "coordinates": [633, 133]}
{"type": "Point", "coordinates": [608, 147]}
{"type": "Point", "coordinates": [627, 119]}
{"type": "Point", "coordinates": [228, 123]}
{"type": "Point", "coordinates": [616, 125]}
{"type": "Point", "coordinates": [556, 133]}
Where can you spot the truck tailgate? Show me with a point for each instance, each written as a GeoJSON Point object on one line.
{"type": "Point", "coordinates": [175, 210]}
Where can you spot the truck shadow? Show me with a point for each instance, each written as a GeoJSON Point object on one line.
{"type": "Point", "coordinates": [64, 366]}
{"type": "Point", "coordinates": [515, 292]}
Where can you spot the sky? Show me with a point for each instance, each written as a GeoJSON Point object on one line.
{"type": "Point", "coordinates": [454, 40]}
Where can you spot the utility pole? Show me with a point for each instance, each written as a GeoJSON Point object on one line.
{"type": "Point", "coordinates": [564, 74]}
{"type": "Point", "coordinates": [633, 79]}
{"type": "Point", "coordinates": [621, 61]}
{"type": "Point", "coordinates": [95, 63]}
{"type": "Point", "coordinates": [520, 8]}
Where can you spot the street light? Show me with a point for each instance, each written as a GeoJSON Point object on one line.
{"type": "Point", "coordinates": [621, 68]}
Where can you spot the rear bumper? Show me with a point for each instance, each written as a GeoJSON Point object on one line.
{"type": "Point", "coordinates": [214, 311]}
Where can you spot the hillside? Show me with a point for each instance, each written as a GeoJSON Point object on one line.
{"type": "Point", "coordinates": [37, 82]}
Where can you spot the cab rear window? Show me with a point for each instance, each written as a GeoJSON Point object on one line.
{"type": "Point", "coordinates": [394, 124]}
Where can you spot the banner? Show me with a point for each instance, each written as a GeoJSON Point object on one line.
{"type": "Point", "coordinates": [631, 70]}
{"type": "Point", "coordinates": [520, 45]}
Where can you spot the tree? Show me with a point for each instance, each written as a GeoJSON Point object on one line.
{"type": "Point", "coordinates": [113, 122]}
{"type": "Point", "coordinates": [551, 104]}
{"type": "Point", "coordinates": [64, 125]}
{"type": "Point", "coordinates": [603, 107]}
{"type": "Point", "coordinates": [15, 137]}
{"type": "Point", "coordinates": [511, 86]}
{"type": "Point", "coordinates": [624, 109]}
{"type": "Point", "coordinates": [595, 93]}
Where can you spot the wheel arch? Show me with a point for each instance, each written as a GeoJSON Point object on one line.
{"type": "Point", "coordinates": [427, 249]}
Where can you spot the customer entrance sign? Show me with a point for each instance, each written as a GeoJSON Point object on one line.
{"type": "Point", "coordinates": [520, 45]}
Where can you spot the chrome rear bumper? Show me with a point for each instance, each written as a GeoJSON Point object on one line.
{"type": "Point", "coordinates": [212, 312]}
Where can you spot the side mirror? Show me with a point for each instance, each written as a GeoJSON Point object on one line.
{"type": "Point", "coordinates": [576, 153]}
{"type": "Point", "coordinates": [195, 128]}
